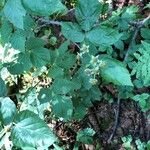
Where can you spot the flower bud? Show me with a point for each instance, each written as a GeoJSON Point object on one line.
{"type": "Point", "coordinates": [93, 81]}
{"type": "Point", "coordinates": [85, 48]}
{"type": "Point", "coordinates": [101, 63]}
{"type": "Point", "coordinates": [94, 60]}
{"type": "Point", "coordinates": [88, 71]}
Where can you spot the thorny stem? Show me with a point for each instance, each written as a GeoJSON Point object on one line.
{"type": "Point", "coordinates": [117, 114]}
{"type": "Point", "coordinates": [138, 26]}
{"type": "Point", "coordinates": [46, 22]}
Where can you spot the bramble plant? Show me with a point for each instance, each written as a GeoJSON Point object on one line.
{"type": "Point", "coordinates": [30, 53]}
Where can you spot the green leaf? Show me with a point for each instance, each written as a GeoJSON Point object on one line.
{"type": "Point", "coordinates": [103, 36]}
{"type": "Point", "coordinates": [29, 25]}
{"type": "Point", "coordinates": [3, 89]}
{"type": "Point", "coordinates": [84, 79]}
{"type": "Point", "coordinates": [15, 12]}
{"type": "Point", "coordinates": [142, 65]}
{"type": "Point", "coordinates": [145, 33]}
{"type": "Point", "coordinates": [31, 131]}
{"type": "Point", "coordinates": [130, 13]}
{"type": "Point", "coordinates": [114, 71]}
{"type": "Point", "coordinates": [33, 43]}
{"type": "Point", "coordinates": [66, 61]}
{"type": "Point", "coordinates": [62, 107]}
{"type": "Point", "coordinates": [143, 100]}
{"type": "Point", "coordinates": [18, 41]}
{"type": "Point", "coordinates": [85, 17]}
{"type": "Point", "coordinates": [40, 57]}
{"type": "Point", "coordinates": [55, 72]}
{"type": "Point", "coordinates": [6, 32]}
{"type": "Point", "coordinates": [45, 95]}
{"type": "Point", "coordinates": [63, 48]}
{"type": "Point", "coordinates": [72, 32]}
{"type": "Point", "coordinates": [85, 136]}
{"type": "Point", "coordinates": [63, 86]}
{"type": "Point", "coordinates": [43, 7]}
{"type": "Point", "coordinates": [7, 110]}
{"type": "Point", "coordinates": [23, 64]}
{"type": "Point", "coordinates": [80, 110]}
{"type": "Point", "coordinates": [119, 45]}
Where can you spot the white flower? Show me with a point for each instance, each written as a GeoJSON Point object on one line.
{"type": "Point", "coordinates": [93, 81]}
{"type": "Point", "coordinates": [101, 63]}
{"type": "Point", "coordinates": [85, 48]}
{"type": "Point", "coordinates": [94, 60]}
{"type": "Point", "coordinates": [88, 71]}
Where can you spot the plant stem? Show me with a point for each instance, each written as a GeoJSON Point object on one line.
{"type": "Point", "coordinates": [48, 22]}
{"type": "Point", "coordinates": [138, 25]}
{"type": "Point", "coordinates": [116, 120]}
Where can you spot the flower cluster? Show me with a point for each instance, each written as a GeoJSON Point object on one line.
{"type": "Point", "coordinates": [83, 50]}
{"type": "Point", "coordinates": [92, 69]}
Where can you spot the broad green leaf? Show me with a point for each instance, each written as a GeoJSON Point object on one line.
{"type": "Point", "coordinates": [63, 86]}
{"type": "Point", "coordinates": [87, 13]}
{"type": "Point", "coordinates": [72, 32]}
{"type": "Point", "coordinates": [119, 45]}
{"type": "Point", "coordinates": [7, 110]}
{"type": "Point", "coordinates": [33, 43]}
{"type": "Point", "coordinates": [63, 48]}
{"type": "Point", "coordinates": [84, 79]}
{"type": "Point", "coordinates": [18, 41]}
{"type": "Point", "coordinates": [145, 33]}
{"type": "Point", "coordinates": [40, 57]}
{"type": "Point", "coordinates": [56, 72]}
{"type": "Point", "coordinates": [29, 25]}
{"type": "Point", "coordinates": [5, 32]}
{"type": "Point", "coordinates": [80, 110]}
{"type": "Point", "coordinates": [31, 131]}
{"type": "Point", "coordinates": [3, 89]}
{"type": "Point", "coordinates": [45, 95]}
{"type": "Point", "coordinates": [62, 107]}
{"type": "Point", "coordinates": [43, 7]}
{"type": "Point", "coordinates": [15, 13]}
{"type": "Point", "coordinates": [103, 36]}
{"type": "Point", "coordinates": [85, 136]}
{"type": "Point", "coordinates": [23, 64]}
{"type": "Point", "coordinates": [130, 13]}
{"type": "Point", "coordinates": [114, 71]}
{"type": "Point", "coordinates": [66, 61]}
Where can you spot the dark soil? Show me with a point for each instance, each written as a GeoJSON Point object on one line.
{"type": "Point", "coordinates": [131, 122]}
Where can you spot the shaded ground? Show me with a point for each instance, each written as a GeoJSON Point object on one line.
{"type": "Point", "coordinates": [131, 122]}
